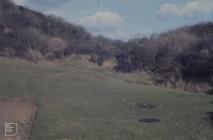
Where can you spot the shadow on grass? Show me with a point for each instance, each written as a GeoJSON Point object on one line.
{"type": "Point", "coordinates": [210, 117]}
{"type": "Point", "coordinates": [149, 120]}
{"type": "Point", "coordinates": [210, 92]}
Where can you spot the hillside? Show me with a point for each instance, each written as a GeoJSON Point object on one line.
{"type": "Point", "coordinates": [77, 100]}
{"type": "Point", "coordinates": [31, 35]}
{"type": "Point", "coordinates": [181, 58]}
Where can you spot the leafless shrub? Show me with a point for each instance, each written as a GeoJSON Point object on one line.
{"type": "Point", "coordinates": [33, 55]}
{"type": "Point", "coordinates": [57, 46]}
{"type": "Point", "coordinates": [7, 52]}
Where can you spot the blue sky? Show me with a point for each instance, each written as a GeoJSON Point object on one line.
{"type": "Point", "coordinates": [123, 19]}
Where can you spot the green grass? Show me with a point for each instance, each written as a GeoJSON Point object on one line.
{"type": "Point", "coordinates": [80, 101]}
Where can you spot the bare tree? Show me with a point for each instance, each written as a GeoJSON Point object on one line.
{"type": "Point", "coordinates": [57, 46]}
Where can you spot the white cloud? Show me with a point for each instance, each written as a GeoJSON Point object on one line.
{"type": "Point", "coordinates": [105, 23]}
{"type": "Point", "coordinates": [190, 9]}
{"type": "Point", "coordinates": [20, 2]}
{"type": "Point", "coordinates": [103, 20]}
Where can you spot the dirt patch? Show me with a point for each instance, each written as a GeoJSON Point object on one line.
{"type": "Point", "coordinates": [149, 120]}
{"type": "Point", "coordinates": [21, 111]}
{"type": "Point", "coordinates": [147, 106]}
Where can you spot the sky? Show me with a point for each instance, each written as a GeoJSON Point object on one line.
{"type": "Point", "coordinates": [125, 19]}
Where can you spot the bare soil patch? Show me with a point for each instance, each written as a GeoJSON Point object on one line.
{"type": "Point", "coordinates": [17, 110]}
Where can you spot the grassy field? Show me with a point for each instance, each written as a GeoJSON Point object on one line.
{"type": "Point", "coordinates": [81, 101]}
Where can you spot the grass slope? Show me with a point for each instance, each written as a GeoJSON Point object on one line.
{"type": "Point", "coordinates": [80, 101]}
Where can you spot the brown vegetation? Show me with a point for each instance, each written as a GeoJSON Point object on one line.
{"type": "Point", "coordinates": [33, 55]}
{"type": "Point", "coordinates": [57, 46]}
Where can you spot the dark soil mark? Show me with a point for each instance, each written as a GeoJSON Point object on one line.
{"type": "Point", "coordinates": [211, 102]}
{"type": "Point", "coordinates": [209, 92]}
{"type": "Point", "coordinates": [210, 117]}
{"type": "Point", "coordinates": [149, 120]}
{"type": "Point", "coordinates": [147, 106]}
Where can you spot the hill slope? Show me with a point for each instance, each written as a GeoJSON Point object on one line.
{"type": "Point", "coordinates": [81, 101]}
{"type": "Point", "coordinates": [180, 58]}
{"type": "Point", "coordinates": [31, 35]}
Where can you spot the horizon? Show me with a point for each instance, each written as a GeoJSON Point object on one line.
{"type": "Point", "coordinates": [124, 19]}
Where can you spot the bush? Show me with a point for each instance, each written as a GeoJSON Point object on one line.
{"type": "Point", "coordinates": [33, 55]}
{"type": "Point", "coordinates": [7, 52]}
{"type": "Point", "coordinates": [57, 46]}
{"type": "Point", "coordinates": [93, 58]}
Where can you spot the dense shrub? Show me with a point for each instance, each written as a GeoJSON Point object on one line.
{"type": "Point", "coordinates": [184, 55]}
